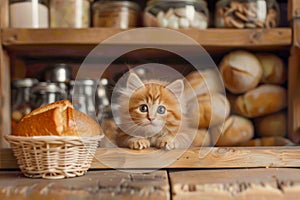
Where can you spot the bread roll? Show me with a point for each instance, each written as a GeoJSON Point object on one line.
{"type": "Point", "coordinates": [271, 125]}
{"type": "Point", "coordinates": [211, 109]}
{"type": "Point", "coordinates": [60, 119]}
{"type": "Point", "coordinates": [202, 82]}
{"type": "Point", "coordinates": [202, 138]}
{"type": "Point", "coordinates": [274, 71]}
{"type": "Point", "coordinates": [263, 100]}
{"type": "Point", "coordinates": [268, 141]}
{"type": "Point", "coordinates": [241, 71]}
{"type": "Point", "coordinates": [236, 130]}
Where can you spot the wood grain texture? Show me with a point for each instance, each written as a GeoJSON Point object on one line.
{"type": "Point", "coordinates": [5, 124]}
{"type": "Point", "coordinates": [293, 9]}
{"type": "Point", "coordinates": [296, 35]}
{"type": "Point", "coordinates": [4, 18]}
{"type": "Point", "coordinates": [294, 95]}
{"type": "Point", "coordinates": [106, 184]}
{"type": "Point", "coordinates": [236, 184]}
{"type": "Point", "coordinates": [231, 157]}
{"type": "Point", "coordinates": [209, 37]}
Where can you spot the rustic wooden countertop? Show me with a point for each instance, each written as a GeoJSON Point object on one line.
{"type": "Point", "coordinates": [260, 183]}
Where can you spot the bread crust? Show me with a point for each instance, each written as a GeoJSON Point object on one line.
{"type": "Point", "coordinates": [235, 130]}
{"type": "Point", "coordinates": [212, 109]}
{"type": "Point", "coordinates": [59, 119]}
{"type": "Point", "coordinates": [241, 71]}
{"type": "Point", "coordinates": [263, 100]}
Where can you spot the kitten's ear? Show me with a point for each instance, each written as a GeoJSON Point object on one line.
{"type": "Point", "coordinates": [176, 87]}
{"type": "Point", "coordinates": [134, 82]}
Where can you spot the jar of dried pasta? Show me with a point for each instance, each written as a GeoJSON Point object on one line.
{"type": "Point", "coordinates": [70, 13]}
{"type": "Point", "coordinates": [117, 14]}
{"type": "Point", "coordinates": [177, 14]}
{"type": "Point", "coordinates": [247, 14]}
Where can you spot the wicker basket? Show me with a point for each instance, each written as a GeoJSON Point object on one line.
{"type": "Point", "coordinates": [53, 157]}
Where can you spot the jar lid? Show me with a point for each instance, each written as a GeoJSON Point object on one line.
{"type": "Point", "coordinates": [106, 4]}
{"type": "Point", "coordinates": [45, 87]}
{"type": "Point", "coordinates": [59, 72]}
{"type": "Point", "coordinates": [201, 2]}
{"type": "Point", "coordinates": [46, 2]}
{"type": "Point", "coordinates": [24, 82]}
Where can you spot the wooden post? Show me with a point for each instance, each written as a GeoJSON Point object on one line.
{"type": "Point", "coordinates": [294, 96]}
{"type": "Point", "coordinates": [5, 123]}
{"type": "Point", "coordinates": [293, 9]}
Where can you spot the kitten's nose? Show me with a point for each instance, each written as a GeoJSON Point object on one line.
{"type": "Point", "coordinates": [151, 119]}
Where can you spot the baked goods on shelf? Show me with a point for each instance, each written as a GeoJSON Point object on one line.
{"type": "Point", "coordinates": [241, 71]}
{"type": "Point", "coordinates": [263, 100]}
{"type": "Point", "coordinates": [236, 130]}
{"type": "Point", "coordinates": [271, 125]}
{"type": "Point", "coordinates": [269, 141]}
{"type": "Point", "coordinates": [55, 141]}
{"type": "Point", "coordinates": [274, 71]}
{"type": "Point", "coordinates": [255, 90]}
{"type": "Point", "coordinates": [212, 109]}
{"type": "Point", "coordinates": [59, 118]}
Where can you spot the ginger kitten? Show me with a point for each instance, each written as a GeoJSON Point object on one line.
{"type": "Point", "coordinates": [152, 114]}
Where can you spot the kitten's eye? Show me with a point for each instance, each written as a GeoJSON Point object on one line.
{"type": "Point", "coordinates": [143, 108]}
{"type": "Point", "coordinates": [161, 110]}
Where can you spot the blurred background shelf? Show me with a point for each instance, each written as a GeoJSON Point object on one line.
{"type": "Point", "coordinates": [39, 42]}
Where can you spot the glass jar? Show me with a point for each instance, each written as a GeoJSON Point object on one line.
{"type": "Point", "coordinates": [103, 97]}
{"type": "Point", "coordinates": [59, 73]}
{"type": "Point", "coordinates": [177, 14]}
{"type": "Point", "coordinates": [247, 14]}
{"type": "Point", "coordinates": [83, 96]}
{"type": "Point", "coordinates": [21, 97]}
{"type": "Point", "coordinates": [29, 13]}
{"type": "Point", "coordinates": [117, 14]}
{"type": "Point", "coordinates": [70, 13]}
{"type": "Point", "coordinates": [45, 93]}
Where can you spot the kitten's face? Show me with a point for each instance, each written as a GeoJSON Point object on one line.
{"type": "Point", "coordinates": [153, 106]}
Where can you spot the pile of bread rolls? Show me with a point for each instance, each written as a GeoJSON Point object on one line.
{"type": "Point", "coordinates": [254, 84]}
{"type": "Point", "coordinates": [253, 112]}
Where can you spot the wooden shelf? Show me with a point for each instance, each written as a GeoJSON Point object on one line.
{"type": "Point", "coordinates": [216, 157]}
{"type": "Point", "coordinates": [81, 41]}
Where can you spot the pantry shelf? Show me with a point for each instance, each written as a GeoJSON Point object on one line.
{"type": "Point", "coordinates": [34, 42]}
{"type": "Point", "coordinates": [207, 157]}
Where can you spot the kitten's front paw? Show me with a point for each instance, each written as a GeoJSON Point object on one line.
{"type": "Point", "coordinates": [165, 142]}
{"type": "Point", "coordinates": [138, 143]}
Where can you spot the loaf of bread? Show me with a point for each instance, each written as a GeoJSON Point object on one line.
{"type": "Point", "coordinates": [241, 71]}
{"type": "Point", "coordinates": [201, 139]}
{"type": "Point", "coordinates": [274, 71]}
{"type": "Point", "coordinates": [236, 130]}
{"type": "Point", "coordinates": [263, 100]}
{"type": "Point", "coordinates": [210, 109]}
{"type": "Point", "coordinates": [268, 141]}
{"type": "Point", "coordinates": [59, 119]}
{"type": "Point", "coordinates": [271, 125]}
{"type": "Point", "coordinates": [202, 82]}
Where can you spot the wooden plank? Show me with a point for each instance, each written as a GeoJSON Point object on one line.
{"type": "Point", "coordinates": [294, 95]}
{"type": "Point", "coordinates": [296, 35]}
{"type": "Point", "coordinates": [106, 184]}
{"type": "Point", "coordinates": [4, 18]}
{"type": "Point", "coordinates": [236, 184]}
{"type": "Point", "coordinates": [4, 96]}
{"type": "Point", "coordinates": [293, 9]}
{"type": "Point", "coordinates": [209, 37]}
{"type": "Point", "coordinates": [218, 157]}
